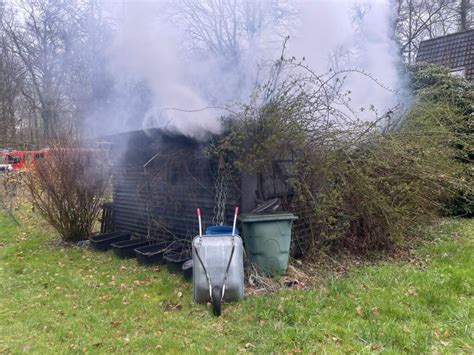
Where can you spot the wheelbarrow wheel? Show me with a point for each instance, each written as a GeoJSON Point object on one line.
{"type": "Point", "coordinates": [216, 300]}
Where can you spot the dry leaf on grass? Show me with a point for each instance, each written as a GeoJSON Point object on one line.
{"type": "Point", "coordinates": [376, 311]}
{"type": "Point", "coordinates": [375, 347]}
{"type": "Point", "coordinates": [172, 306]}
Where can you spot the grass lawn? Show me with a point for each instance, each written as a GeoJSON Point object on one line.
{"type": "Point", "coordinates": [55, 299]}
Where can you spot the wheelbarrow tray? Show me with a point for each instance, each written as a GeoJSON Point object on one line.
{"type": "Point", "coordinates": [102, 242]}
{"type": "Point", "coordinates": [126, 249]}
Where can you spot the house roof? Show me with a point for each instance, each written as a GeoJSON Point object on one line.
{"type": "Point", "coordinates": [455, 51]}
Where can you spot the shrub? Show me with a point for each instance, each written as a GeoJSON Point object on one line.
{"type": "Point", "coordinates": [356, 187]}
{"type": "Point", "coordinates": [444, 107]}
{"type": "Point", "coordinates": [377, 195]}
{"type": "Point", "coordinates": [434, 83]}
{"type": "Point", "coordinates": [67, 187]}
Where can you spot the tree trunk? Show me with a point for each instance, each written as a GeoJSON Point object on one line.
{"type": "Point", "coordinates": [46, 116]}
{"type": "Point", "coordinates": [410, 39]}
{"type": "Point", "coordinates": [465, 7]}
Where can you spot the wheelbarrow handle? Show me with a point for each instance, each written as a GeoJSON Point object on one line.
{"type": "Point", "coordinates": [199, 219]}
{"type": "Point", "coordinates": [235, 220]}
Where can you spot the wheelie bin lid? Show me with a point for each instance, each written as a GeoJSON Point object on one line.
{"type": "Point", "coordinates": [257, 217]}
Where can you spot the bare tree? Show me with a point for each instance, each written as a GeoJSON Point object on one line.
{"type": "Point", "coordinates": [465, 15]}
{"type": "Point", "coordinates": [52, 40]}
{"type": "Point", "coordinates": [11, 84]}
{"type": "Point", "coordinates": [417, 20]}
{"type": "Point", "coordinates": [227, 27]}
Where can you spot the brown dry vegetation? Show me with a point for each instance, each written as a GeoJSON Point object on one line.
{"type": "Point", "coordinates": [67, 187]}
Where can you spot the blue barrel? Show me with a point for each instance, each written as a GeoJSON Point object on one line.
{"type": "Point", "coordinates": [221, 230]}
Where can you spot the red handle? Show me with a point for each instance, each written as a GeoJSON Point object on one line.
{"type": "Point", "coordinates": [199, 219]}
{"type": "Point", "coordinates": [235, 220]}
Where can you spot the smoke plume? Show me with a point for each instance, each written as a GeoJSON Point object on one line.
{"type": "Point", "coordinates": [154, 44]}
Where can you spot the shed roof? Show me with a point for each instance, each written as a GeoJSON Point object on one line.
{"type": "Point", "coordinates": [455, 51]}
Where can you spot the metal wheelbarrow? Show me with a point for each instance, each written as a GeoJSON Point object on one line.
{"type": "Point", "coordinates": [218, 271]}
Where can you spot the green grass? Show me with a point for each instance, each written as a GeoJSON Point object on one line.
{"type": "Point", "coordinates": [55, 299]}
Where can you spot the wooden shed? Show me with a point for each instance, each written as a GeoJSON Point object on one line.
{"type": "Point", "coordinates": [160, 178]}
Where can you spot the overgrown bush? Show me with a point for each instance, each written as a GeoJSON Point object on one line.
{"type": "Point", "coordinates": [357, 186]}
{"type": "Point", "coordinates": [434, 83]}
{"type": "Point", "coordinates": [67, 187]}
{"type": "Point", "coordinates": [376, 195]}
{"type": "Point", "coordinates": [444, 110]}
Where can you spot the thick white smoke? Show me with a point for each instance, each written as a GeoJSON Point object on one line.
{"type": "Point", "coordinates": [348, 34]}
{"type": "Point", "coordinates": [151, 46]}
{"type": "Point", "coordinates": [148, 48]}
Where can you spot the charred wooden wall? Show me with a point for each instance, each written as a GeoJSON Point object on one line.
{"type": "Point", "coordinates": [158, 182]}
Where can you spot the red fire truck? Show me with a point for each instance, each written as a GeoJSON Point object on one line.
{"type": "Point", "coordinates": [19, 159]}
{"type": "Point", "coordinates": [3, 162]}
